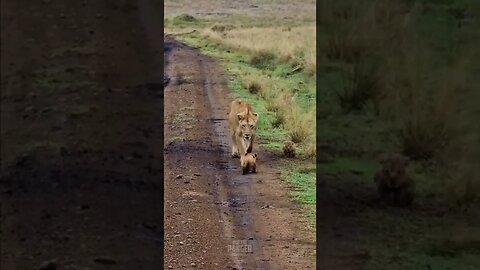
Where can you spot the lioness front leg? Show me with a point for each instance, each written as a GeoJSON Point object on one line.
{"type": "Point", "coordinates": [235, 152]}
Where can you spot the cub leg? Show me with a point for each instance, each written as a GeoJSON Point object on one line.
{"type": "Point", "coordinates": [245, 169]}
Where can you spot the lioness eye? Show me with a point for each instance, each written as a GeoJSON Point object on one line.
{"type": "Point", "coordinates": [243, 125]}
{"type": "Point", "coordinates": [251, 126]}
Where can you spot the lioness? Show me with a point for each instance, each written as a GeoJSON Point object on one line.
{"type": "Point", "coordinates": [242, 122]}
{"type": "Point", "coordinates": [249, 163]}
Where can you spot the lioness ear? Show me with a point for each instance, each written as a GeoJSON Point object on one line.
{"type": "Point", "coordinates": [256, 116]}
{"type": "Point", "coordinates": [255, 155]}
{"type": "Point", "coordinates": [240, 116]}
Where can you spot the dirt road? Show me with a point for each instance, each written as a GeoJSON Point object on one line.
{"type": "Point", "coordinates": [215, 217]}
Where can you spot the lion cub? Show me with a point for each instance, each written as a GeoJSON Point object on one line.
{"type": "Point", "coordinates": [249, 163]}
{"type": "Point", "coordinates": [289, 149]}
{"type": "Point", "coordinates": [393, 182]}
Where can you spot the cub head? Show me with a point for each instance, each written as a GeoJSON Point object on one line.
{"type": "Point", "coordinates": [247, 123]}
{"type": "Point", "coordinates": [250, 157]}
{"type": "Point", "coordinates": [394, 165]}
{"type": "Point", "coordinates": [288, 144]}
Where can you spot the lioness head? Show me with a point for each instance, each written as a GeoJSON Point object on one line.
{"type": "Point", "coordinates": [247, 123]}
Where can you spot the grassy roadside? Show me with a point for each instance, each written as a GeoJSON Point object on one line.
{"type": "Point", "coordinates": [253, 82]}
{"type": "Point", "coordinates": [394, 84]}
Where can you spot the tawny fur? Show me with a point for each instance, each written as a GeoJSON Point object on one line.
{"type": "Point", "coordinates": [242, 123]}
{"type": "Point", "coordinates": [289, 149]}
{"type": "Point", "coordinates": [249, 163]}
{"type": "Point", "coordinates": [394, 184]}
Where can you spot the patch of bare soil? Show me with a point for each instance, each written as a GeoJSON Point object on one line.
{"type": "Point", "coordinates": [215, 217]}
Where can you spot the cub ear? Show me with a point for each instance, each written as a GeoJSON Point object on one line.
{"type": "Point", "coordinates": [255, 155]}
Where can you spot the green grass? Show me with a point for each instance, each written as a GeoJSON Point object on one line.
{"type": "Point", "coordinates": [347, 166]}
{"type": "Point", "coordinates": [185, 20]}
{"type": "Point", "coordinates": [238, 65]}
{"type": "Point", "coordinates": [302, 177]}
{"type": "Point", "coordinates": [424, 237]}
{"type": "Point", "coordinates": [53, 80]}
{"type": "Point", "coordinates": [403, 246]}
{"type": "Point", "coordinates": [304, 181]}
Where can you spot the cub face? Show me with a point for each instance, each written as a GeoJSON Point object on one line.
{"type": "Point", "coordinates": [394, 184]}
{"type": "Point", "coordinates": [289, 148]}
{"type": "Point", "coordinates": [394, 166]}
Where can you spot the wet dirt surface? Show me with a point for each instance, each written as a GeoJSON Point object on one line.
{"type": "Point", "coordinates": [215, 217]}
{"type": "Point", "coordinates": [81, 133]}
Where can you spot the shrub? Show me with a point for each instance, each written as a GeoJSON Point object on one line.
{"type": "Point", "coordinates": [360, 85]}
{"type": "Point", "coordinates": [299, 125]}
{"type": "Point", "coordinates": [279, 118]}
{"type": "Point", "coordinates": [262, 59]}
{"type": "Point", "coordinates": [422, 137]}
{"type": "Point", "coordinates": [254, 87]}
{"type": "Point", "coordinates": [184, 19]}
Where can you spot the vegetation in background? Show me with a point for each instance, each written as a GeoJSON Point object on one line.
{"type": "Point", "coordinates": [400, 76]}
{"type": "Point", "coordinates": [405, 69]}
{"type": "Point", "coordinates": [393, 76]}
{"type": "Point", "coordinates": [277, 78]}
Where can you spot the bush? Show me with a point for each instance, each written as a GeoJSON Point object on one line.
{"type": "Point", "coordinates": [360, 85]}
{"type": "Point", "coordinates": [279, 118]}
{"type": "Point", "coordinates": [254, 87]}
{"type": "Point", "coordinates": [430, 111]}
{"type": "Point", "coordinates": [278, 101]}
{"type": "Point", "coordinates": [423, 137]}
{"type": "Point", "coordinates": [184, 19]}
{"type": "Point", "coordinates": [262, 59]}
{"type": "Point", "coordinates": [299, 126]}
{"type": "Point", "coordinates": [311, 147]}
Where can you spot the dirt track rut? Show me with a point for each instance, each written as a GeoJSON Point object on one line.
{"type": "Point", "coordinates": [215, 217]}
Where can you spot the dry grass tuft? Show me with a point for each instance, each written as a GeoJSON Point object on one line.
{"type": "Point", "coordinates": [311, 148]}
{"type": "Point", "coordinates": [299, 125]}
{"type": "Point", "coordinates": [297, 46]}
